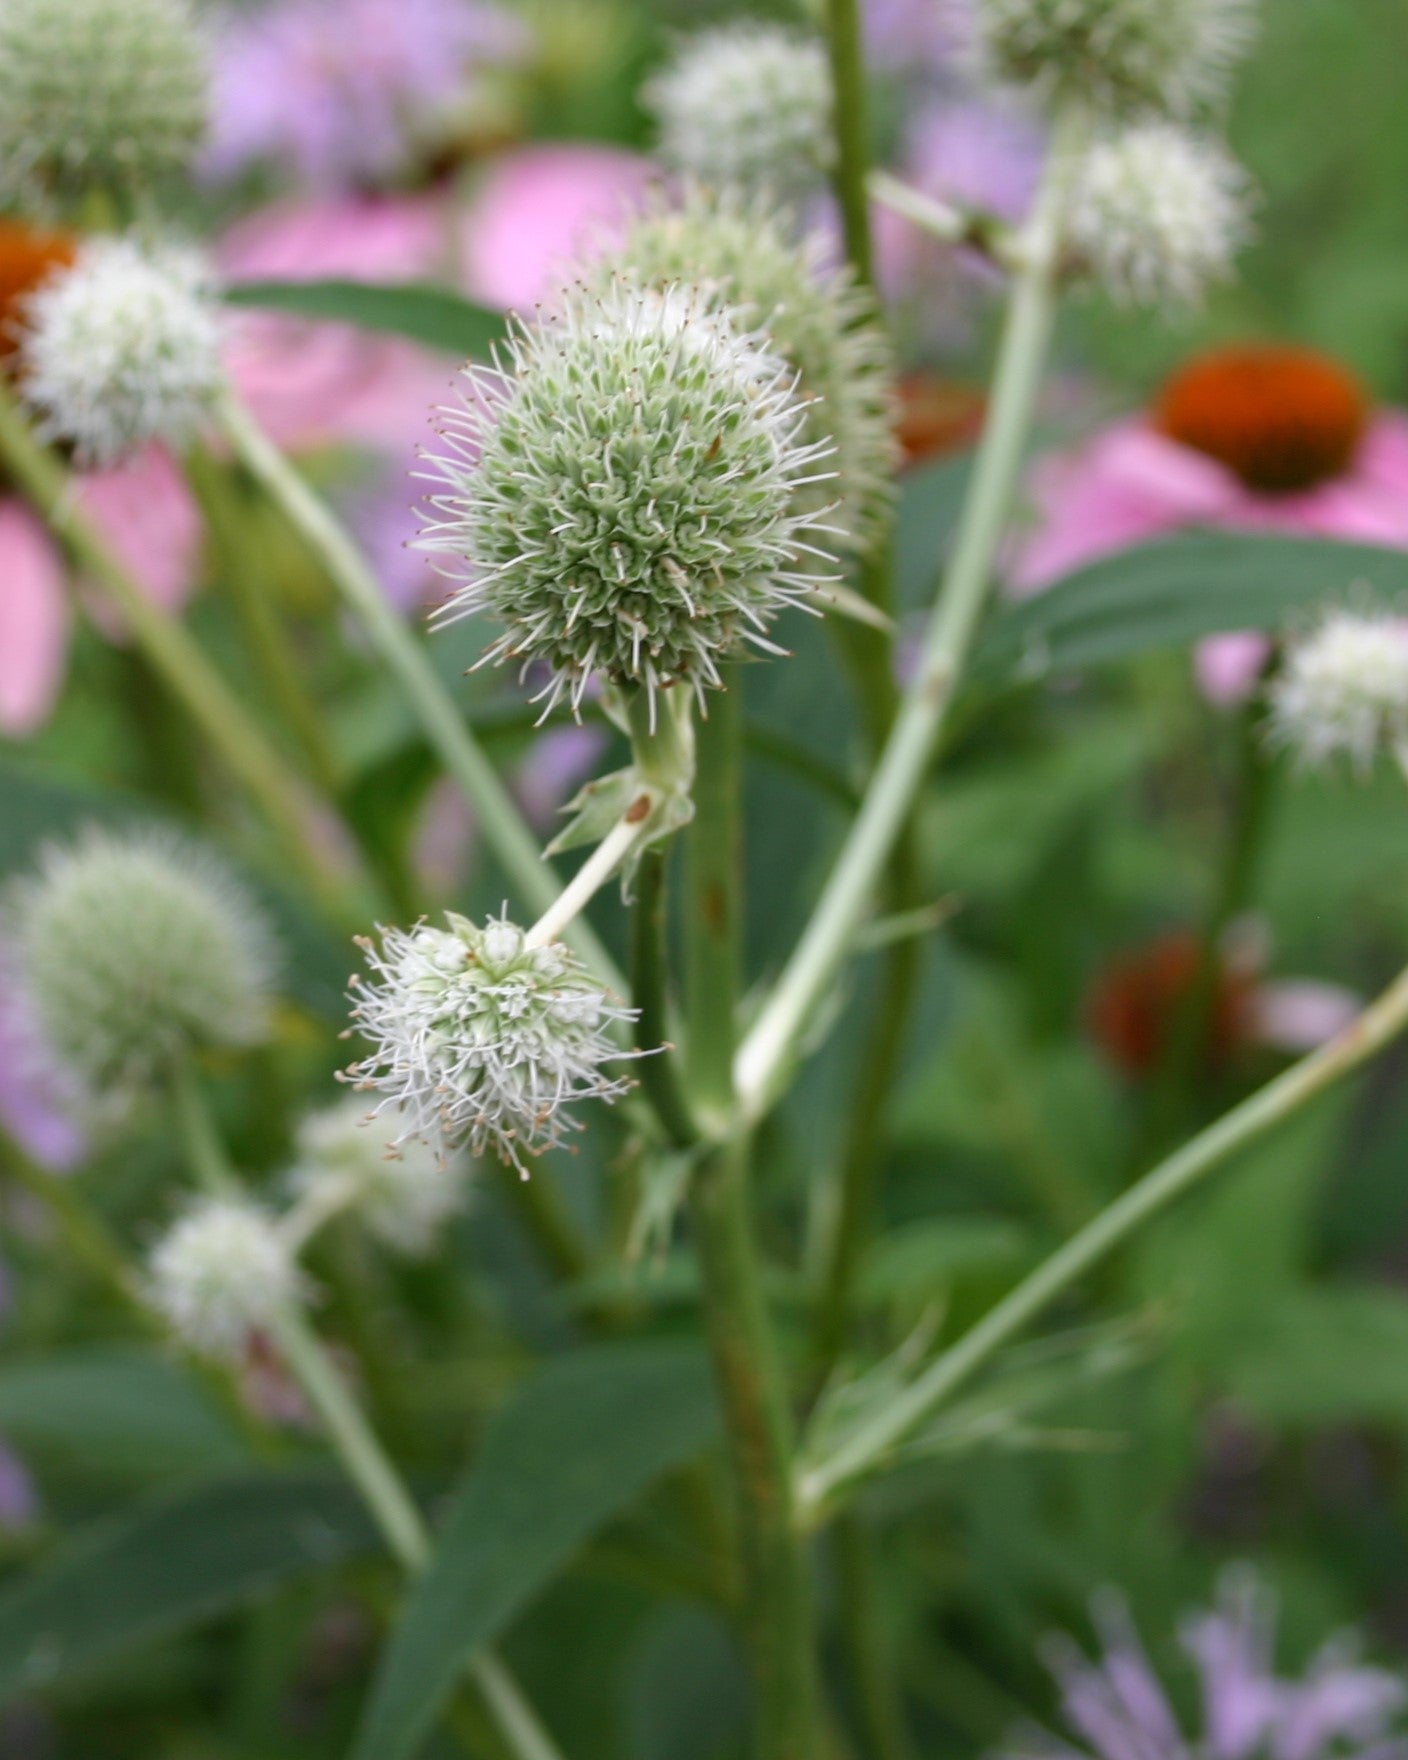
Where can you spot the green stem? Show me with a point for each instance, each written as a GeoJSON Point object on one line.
{"type": "Point", "coordinates": [503, 825]}
{"type": "Point", "coordinates": [1026, 335]}
{"type": "Point", "coordinates": [660, 1078]}
{"type": "Point", "coordinates": [852, 132]}
{"type": "Point", "coordinates": [83, 1235]}
{"type": "Point", "coordinates": [205, 1150]}
{"type": "Point", "coordinates": [543, 1212]}
{"type": "Point", "coordinates": [878, 1702]}
{"type": "Point", "coordinates": [778, 1612]}
{"type": "Point", "coordinates": [870, 1444]}
{"type": "Point", "coordinates": [172, 653]}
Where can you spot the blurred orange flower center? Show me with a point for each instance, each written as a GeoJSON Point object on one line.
{"type": "Point", "coordinates": [27, 257]}
{"type": "Point", "coordinates": [1282, 419]}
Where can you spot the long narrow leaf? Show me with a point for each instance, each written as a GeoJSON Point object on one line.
{"type": "Point", "coordinates": [431, 315]}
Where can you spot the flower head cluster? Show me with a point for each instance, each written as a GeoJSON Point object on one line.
{"type": "Point", "coordinates": [623, 496]}
{"type": "Point", "coordinates": [1117, 1707]}
{"type": "Point", "coordinates": [1158, 213]}
{"type": "Point", "coordinates": [739, 254]}
{"type": "Point", "coordinates": [220, 1274]}
{"type": "Point", "coordinates": [97, 94]}
{"type": "Point", "coordinates": [1123, 56]}
{"type": "Point", "coordinates": [136, 951]}
{"type": "Point", "coordinates": [746, 104]}
{"type": "Point", "coordinates": [403, 1195]}
{"type": "Point", "coordinates": [479, 1038]}
{"type": "Point", "coordinates": [121, 349]}
{"type": "Point", "coordinates": [1343, 690]}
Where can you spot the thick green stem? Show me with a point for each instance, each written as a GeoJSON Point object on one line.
{"type": "Point", "coordinates": [872, 1443]}
{"type": "Point", "coordinates": [173, 655]}
{"type": "Point", "coordinates": [758, 1426]}
{"type": "Point", "coordinates": [765, 1053]}
{"type": "Point", "coordinates": [852, 124]}
{"type": "Point", "coordinates": [660, 1077]}
{"type": "Point", "coordinates": [505, 830]}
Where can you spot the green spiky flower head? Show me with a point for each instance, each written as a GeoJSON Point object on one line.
{"type": "Point", "coordinates": [741, 254]}
{"type": "Point", "coordinates": [621, 493]}
{"type": "Point", "coordinates": [136, 951]}
{"type": "Point", "coordinates": [747, 104]}
{"type": "Point", "coordinates": [101, 96]}
{"type": "Point", "coordinates": [1121, 56]}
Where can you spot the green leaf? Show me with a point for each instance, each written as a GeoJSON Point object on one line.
{"type": "Point", "coordinates": [168, 1564]}
{"type": "Point", "coordinates": [1327, 1356]}
{"type": "Point", "coordinates": [573, 1449]}
{"type": "Point", "coordinates": [117, 1411]}
{"type": "Point", "coordinates": [1175, 592]}
{"type": "Point", "coordinates": [427, 314]}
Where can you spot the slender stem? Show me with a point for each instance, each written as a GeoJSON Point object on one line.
{"type": "Point", "coordinates": [599, 868]}
{"type": "Point", "coordinates": [777, 1590]}
{"type": "Point", "coordinates": [204, 1147]}
{"type": "Point", "coordinates": [965, 226]}
{"type": "Point", "coordinates": [544, 1214]}
{"type": "Point", "coordinates": [660, 1077]}
{"type": "Point", "coordinates": [823, 945]}
{"type": "Point", "coordinates": [83, 1234]}
{"type": "Point", "coordinates": [504, 827]}
{"type": "Point", "coordinates": [173, 655]}
{"type": "Point", "coordinates": [869, 1445]}
{"type": "Point", "coordinates": [852, 125]}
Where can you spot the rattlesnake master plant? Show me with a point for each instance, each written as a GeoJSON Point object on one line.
{"type": "Point", "coordinates": [1342, 691]}
{"type": "Point", "coordinates": [403, 1196]}
{"type": "Point", "coordinates": [478, 1038]}
{"type": "Point", "coordinates": [121, 349]}
{"type": "Point", "coordinates": [748, 104]}
{"type": "Point", "coordinates": [102, 96]}
{"type": "Point", "coordinates": [741, 254]}
{"type": "Point", "coordinates": [220, 1273]}
{"type": "Point", "coordinates": [622, 495]}
{"type": "Point", "coordinates": [1157, 214]}
{"type": "Point", "coordinates": [1119, 56]}
{"type": "Point", "coordinates": [135, 952]}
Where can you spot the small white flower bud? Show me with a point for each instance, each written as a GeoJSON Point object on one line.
{"type": "Point", "coordinates": [1158, 214]}
{"type": "Point", "coordinates": [490, 1053]}
{"type": "Point", "coordinates": [622, 497]}
{"type": "Point", "coordinates": [121, 349]}
{"type": "Point", "coordinates": [221, 1273]}
{"type": "Point", "coordinates": [1121, 56]}
{"type": "Point", "coordinates": [136, 951]}
{"type": "Point", "coordinates": [105, 95]}
{"type": "Point", "coordinates": [403, 1195]}
{"type": "Point", "coordinates": [747, 104]}
{"type": "Point", "coordinates": [1343, 690]}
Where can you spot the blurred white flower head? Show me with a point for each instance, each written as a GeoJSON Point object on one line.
{"type": "Point", "coordinates": [1158, 214]}
{"type": "Point", "coordinates": [121, 349]}
{"type": "Point", "coordinates": [1343, 690]}
{"type": "Point", "coordinates": [221, 1273]}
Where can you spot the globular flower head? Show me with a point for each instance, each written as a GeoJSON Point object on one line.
{"type": "Point", "coordinates": [220, 1274]}
{"type": "Point", "coordinates": [622, 495]}
{"type": "Point", "coordinates": [479, 1038]}
{"type": "Point", "coordinates": [403, 1195]}
{"type": "Point", "coordinates": [136, 951]}
{"type": "Point", "coordinates": [1116, 1706]}
{"type": "Point", "coordinates": [740, 254]}
{"type": "Point", "coordinates": [106, 95]}
{"type": "Point", "coordinates": [1158, 214]}
{"type": "Point", "coordinates": [1343, 689]}
{"type": "Point", "coordinates": [746, 104]}
{"type": "Point", "coordinates": [121, 349]}
{"type": "Point", "coordinates": [1122, 56]}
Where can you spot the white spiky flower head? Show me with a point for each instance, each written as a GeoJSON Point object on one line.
{"type": "Point", "coordinates": [97, 95]}
{"type": "Point", "coordinates": [137, 951]}
{"type": "Point", "coordinates": [220, 1274]}
{"type": "Point", "coordinates": [1158, 214]}
{"type": "Point", "coordinates": [403, 1195]}
{"type": "Point", "coordinates": [621, 495]}
{"type": "Point", "coordinates": [1343, 689]}
{"type": "Point", "coordinates": [742, 254]}
{"type": "Point", "coordinates": [479, 1038]}
{"type": "Point", "coordinates": [747, 104]}
{"type": "Point", "coordinates": [120, 349]}
{"type": "Point", "coordinates": [1171, 57]}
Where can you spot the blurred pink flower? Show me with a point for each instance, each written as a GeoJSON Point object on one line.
{"type": "Point", "coordinates": [917, 36]}
{"type": "Point", "coordinates": [145, 511]}
{"type": "Point", "coordinates": [536, 209]}
{"type": "Point", "coordinates": [338, 89]}
{"type": "Point", "coordinates": [37, 1104]}
{"type": "Point", "coordinates": [1255, 438]}
{"type": "Point", "coordinates": [312, 383]}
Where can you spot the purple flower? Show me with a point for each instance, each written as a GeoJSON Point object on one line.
{"type": "Point", "coordinates": [902, 36]}
{"type": "Point", "coordinates": [336, 88]}
{"type": "Point", "coordinates": [1118, 1709]}
{"type": "Point", "coordinates": [18, 1503]}
{"type": "Point", "coordinates": [37, 1104]}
